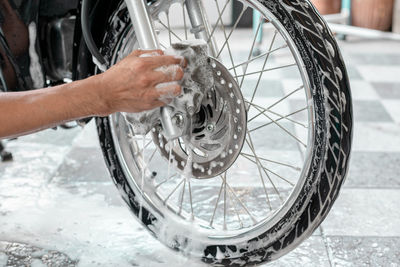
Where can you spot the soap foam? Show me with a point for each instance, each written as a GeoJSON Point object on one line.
{"type": "Point", "coordinates": [166, 91]}
{"type": "Point", "coordinates": [198, 77]}
{"type": "Point", "coordinates": [170, 71]}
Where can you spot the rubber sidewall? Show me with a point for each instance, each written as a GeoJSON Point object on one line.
{"type": "Point", "coordinates": [332, 144]}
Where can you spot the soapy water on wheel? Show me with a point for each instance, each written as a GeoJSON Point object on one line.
{"type": "Point", "coordinates": [226, 109]}
{"type": "Point", "coordinates": [210, 113]}
{"type": "Point", "coordinates": [194, 190]}
{"type": "Point", "coordinates": [197, 77]}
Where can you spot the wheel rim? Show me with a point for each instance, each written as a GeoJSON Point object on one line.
{"type": "Point", "coordinates": [174, 197]}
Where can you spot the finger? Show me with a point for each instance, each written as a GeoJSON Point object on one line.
{"type": "Point", "coordinates": [156, 62]}
{"type": "Point", "coordinates": [163, 103]}
{"type": "Point", "coordinates": [140, 52]}
{"type": "Point", "coordinates": [167, 74]}
{"type": "Point", "coordinates": [166, 92]}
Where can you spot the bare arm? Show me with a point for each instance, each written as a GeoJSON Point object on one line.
{"type": "Point", "coordinates": [129, 86]}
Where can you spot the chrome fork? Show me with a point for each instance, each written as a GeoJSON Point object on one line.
{"type": "Point", "coordinates": [147, 38]}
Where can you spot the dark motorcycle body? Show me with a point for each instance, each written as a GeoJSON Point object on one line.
{"type": "Point", "coordinates": [41, 42]}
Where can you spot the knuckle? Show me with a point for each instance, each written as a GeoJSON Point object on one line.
{"type": "Point", "coordinates": [140, 65]}
{"type": "Point", "coordinates": [144, 81]}
{"type": "Point", "coordinates": [179, 73]}
{"type": "Point", "coordinates": [177, 90]}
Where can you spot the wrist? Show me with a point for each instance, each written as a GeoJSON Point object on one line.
{"type": "Point", "coordinates": [96, 89]}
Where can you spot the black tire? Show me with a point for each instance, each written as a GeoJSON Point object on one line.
{"type": "Point", "coordinates": [330, 157]}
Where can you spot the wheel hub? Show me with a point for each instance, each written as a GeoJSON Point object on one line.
{"type": "Point", "coordinates": [214, 136]}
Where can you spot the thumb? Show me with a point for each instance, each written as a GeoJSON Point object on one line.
{"type": "Point", "coordinates": [140, 52]}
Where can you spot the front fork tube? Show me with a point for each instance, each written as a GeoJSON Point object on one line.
{"type": "Point", "coordinates": [200, 25]}
{"type": "Point", "coordinates": [147, 38]}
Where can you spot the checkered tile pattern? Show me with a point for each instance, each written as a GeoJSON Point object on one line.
{"type": "Point", "coordinates": [363, 228]}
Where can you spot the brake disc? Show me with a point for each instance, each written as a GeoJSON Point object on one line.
{"type": "Point", "coordinates": [214, 135]}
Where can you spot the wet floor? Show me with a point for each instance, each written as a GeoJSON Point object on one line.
{"type": "Point", "coordinates": [58, 206]}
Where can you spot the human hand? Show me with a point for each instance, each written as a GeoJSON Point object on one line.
{"type": "Point", "coordinates": [140, 82]}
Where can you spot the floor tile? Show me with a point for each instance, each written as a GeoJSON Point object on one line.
{"type": "Point", "coordinates": [353, 73]}
{"type": "Point", "coordinates": [370, 111]}
{"type": "Point", "coordinates": [273, 137]}
{"type": "Point", "coordinates": [83, 164]}
{"type": "Point", "coordinates": [266, 88]}
{"type": "Point", "coordinates": [357, 45]}
{"type": "Point", "coordinates": [300, 117]}
{"type": "Point", "coordinates": [32, 161]}
{"type": "Point", "coordinates": [362, 90]}
{"type": "Point", "coordinates": [59, 137]}
{"type": "Point", "coordinates": [374, 170]}
{"type": "Point", "coordinates": [380, 73]}
{"type": "Point", "coordinates": [383, 137]}
{"type": "Point", "coordinates": [290, 86]}
{"type": "Point", "coordinates": [374, 59]}
{"type": "Point", "coordinates": [364, 212]}
{"type": "Point", "coordinates": [365, 251]}
{"type": "Point", "coordinates": [84, 172]}
{"type": "Point", "coordinates": [388, 90]}
{"type": "Point", "coordinates": [88, 137]}
{"type": "Point", "coordinates": [393, 108]}
{"type": "Point", "coordinates": [311, 252]}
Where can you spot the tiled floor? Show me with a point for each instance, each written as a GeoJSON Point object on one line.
{"type": "Point", "coordinates": [57, 195]}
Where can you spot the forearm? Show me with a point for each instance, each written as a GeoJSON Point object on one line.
{"type": "Point", "coordinates": [26, 112]}
{"type": "Point", "coordinates": [128, 86]}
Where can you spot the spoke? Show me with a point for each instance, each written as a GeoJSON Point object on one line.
{"type": "Point", "coordinates": [268, 170]}
{"type": "Point", "coordinates": [182, 196]}
{"type": "Point", "coordinates": [131, 135]}
{"type": "Point", "coordinates": [235, 209]}
{"type": "Point", "coordinates": [258, 57]}
{"type": "Point", "coordinates": [190, 198]}
{"type": "Point", "coordinates": [169, 159]}
{"type": "Point", "coordinates": [250, 144]}
{"type": "Point", "coordinates": [284, 129]}
{"type": "Point", "coordinates": [263, 68]}
{"type": "Point", "coordinates": [266, 70]}
{"type": "Point", "coordinates": [168, 28]}
{"type": "Point", "coordinates": [242, 204]}
{"type": "Point", "coordinates": [279, 176]}
{"type": "Point", "coordinates": [216, 204]}
{"type": "Point", "coordinates": [144, 147]}
{"type": "Point", "coordinates": [151, 157]}
{"type": "Point", "coordinates": [233, 28]}
{"type": "Point", "coordinates": [143, 174]}
{"type": "Point", "coordinates": [227, 42]}
{"type": "Point", "coordinates": [273, 161]}
{"type": "Point", "coordinates": [184, 20]}
{"type": "Point", "coordinates": [225, 201]}
{"type": "Point", "coordinates": [282, 117]}
{"type": "Point", "coordinates": [260, 22]}
{"type": "Point", "coordinates": [216, 23]}
{"type": "Point", "coordinates": [277, 102]}
{"type": "Point", "coordinates": [269, 178]}
{"type": "Point", "coordinates": [166, 180]}
{"type": "Point", "coordinates": [173, 191]}
{"type": "Point", "coordinates": [170, 32]}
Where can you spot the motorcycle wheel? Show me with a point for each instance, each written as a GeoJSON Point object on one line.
{"type": "Point", "coordinates": [277, 171]}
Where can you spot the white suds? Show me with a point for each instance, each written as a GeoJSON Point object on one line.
{"type": "Point", "coordinates": [101, 67]}
{"type": "Point", "coordinates": [170, 71]}
{"type": "Point", "coordinates": [166, 91]}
